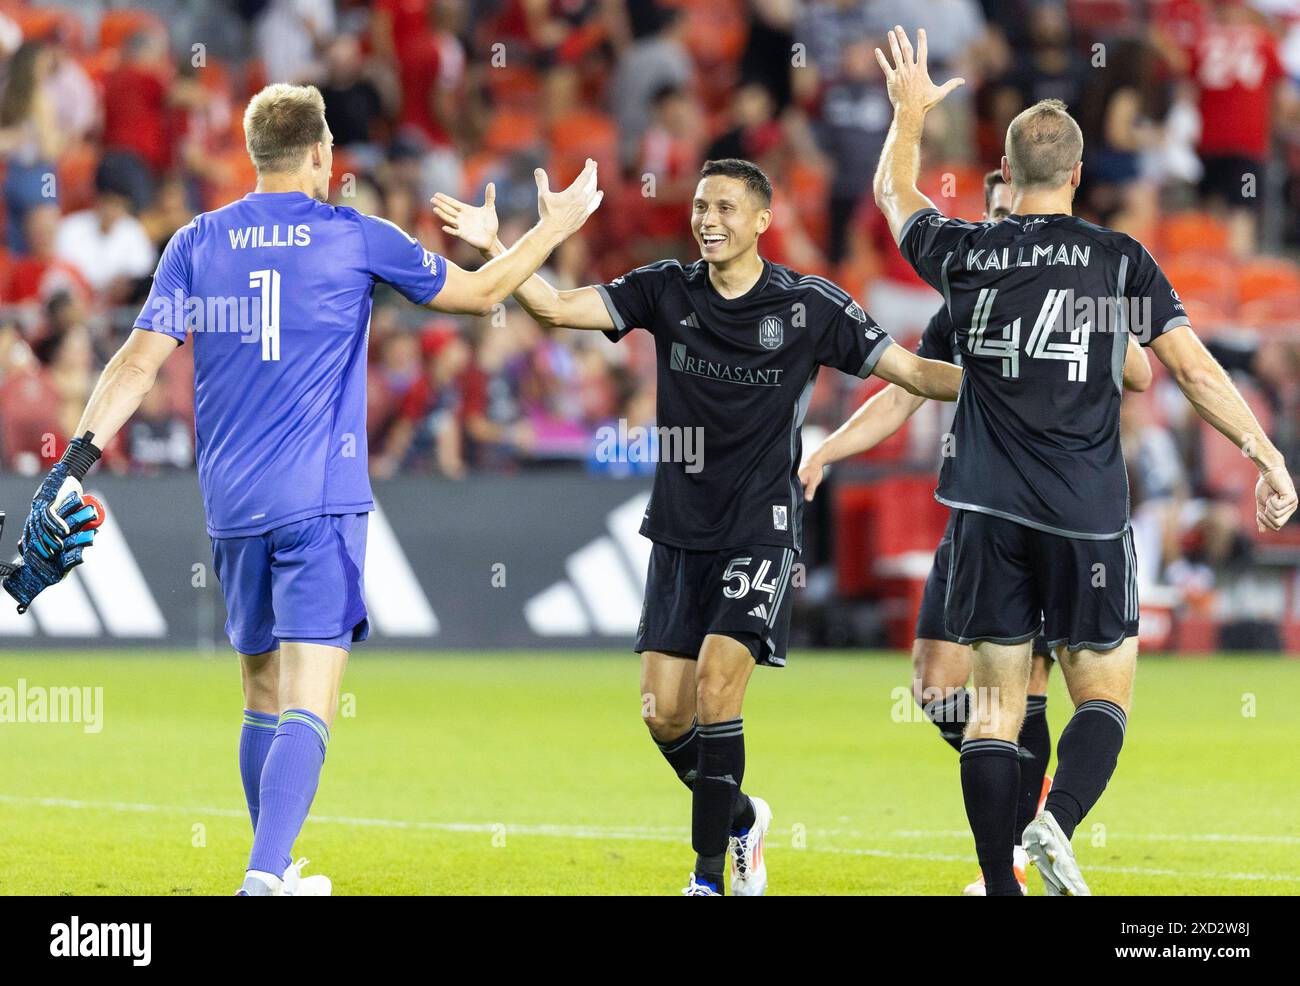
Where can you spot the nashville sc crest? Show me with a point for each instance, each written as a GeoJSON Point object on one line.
{"type": "Point", "coordinates": [771, 332]}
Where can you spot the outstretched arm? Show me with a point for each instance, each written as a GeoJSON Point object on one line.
{"type": "Point", "coordinates": [579, 308]}
{"type": "Point", "coordinates": [1211, 391]}
{"type": "Point", "coordinates": [919, 376]}
{"type": "Point", "coordinates": [878, 418]}
{"type": "Point", "coordinates": [913, 95]}
{"type": "Point", "coordinates": [562, 215]}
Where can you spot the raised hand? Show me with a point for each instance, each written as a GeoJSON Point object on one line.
{"type": "Point", "coordinates": [1275, 499]}
{"type": "Point", "coordinates": [908, 79]}
{"type": "Point", "coordinates": [475, 224]}
{"type": "Point", "coordinates": [569, 209]}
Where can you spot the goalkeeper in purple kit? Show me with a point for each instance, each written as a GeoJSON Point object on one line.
{"type": "Point", "coordinates": [280, 418]}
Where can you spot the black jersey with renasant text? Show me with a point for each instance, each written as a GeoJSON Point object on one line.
{"type": "Point", "coordinates": [1042, 307]}
{"type": "Point", "coordinates": [734, 380]}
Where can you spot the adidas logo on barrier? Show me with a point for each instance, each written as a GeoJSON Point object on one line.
{"type": "Point", "coordinates": [108, 595]}
{"type": "Point", "coordinates": [606, 579]}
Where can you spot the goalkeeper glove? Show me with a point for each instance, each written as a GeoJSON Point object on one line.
{"type": "Point", "coordinates": [46, 528]}
{"type": "Point", "coordinates": [36, 574]}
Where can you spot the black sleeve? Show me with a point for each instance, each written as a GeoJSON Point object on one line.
{"type": "Point", "coordinates": [928, 238]}
{"type": "Point", "coordinates": [1156, 306]}
{"type": "Point", "coordinates": [937, 339]}
{"type": "Point", "coordinates": [850, 340]}
{"type": "Point", "coordinates": [632, 298]}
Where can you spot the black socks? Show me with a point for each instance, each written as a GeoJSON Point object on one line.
{"type": "Point", "coordinates": [716, 793]}
{"type": "Point", "coordinates": [1085, 759]}
{"type": "Point", "coordinates": [990, 781]}
{"type": "Point", "coordinates": [1035, 750]}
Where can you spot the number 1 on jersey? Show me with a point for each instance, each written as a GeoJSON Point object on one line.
{"type": "Point", "coordinates": [268, 281]}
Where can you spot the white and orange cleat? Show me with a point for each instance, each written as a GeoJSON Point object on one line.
{"type": "Point", "coordinates": [748, 867]}
{"type": "Point", "coordinates": [1019, 863]}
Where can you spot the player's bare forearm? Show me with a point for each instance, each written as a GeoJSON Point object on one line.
{"type": "Point", "coordinates": [877, 419]}
{"type": "Point", "coordinates": [478, 292]}
{"type": "Point", "coordinates": [896, 173]}
{"type": "Point", "coordinates": [562, 214]}
{"type": "Point", "coordinates": [129, 375]}
{"type": "Point", "coordinates": [920, 377]}
{"type": "Point", "coordinates": [1212, 393]}
{"type": "Point", "coordinates": [580, 308]}
{"type": "Point", "coordinates": [1137, 368]}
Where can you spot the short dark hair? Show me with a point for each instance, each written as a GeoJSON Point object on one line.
{"type": "Point", "coordinates": [991, 181]}
{"type": "Point", "coordinates": [746, 171]}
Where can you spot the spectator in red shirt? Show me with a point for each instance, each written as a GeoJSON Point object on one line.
{"type": "Point", "coordinates": [135, 102]}
{"type": "Point", "coordinates": [671, 153]}
{"type": "Point", "coordinates": [429, 425]}
{"type": "Point", "coordinates": [1238, 75]}
{"type": "Point", "coordinates": [41, 274]}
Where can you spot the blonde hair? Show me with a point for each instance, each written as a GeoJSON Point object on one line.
{"type": "Point", "coordinates": [281, 123]}
{"type": "Point", "coordinates": [1043, 146]}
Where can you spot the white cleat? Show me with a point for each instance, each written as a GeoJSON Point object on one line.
{"type": "Point", "coordinates": [694, 889]}
{"type": "Point", "coordinates": [1053, 856]}
{"type": "Point", "coordinates": [1019, 863]}
{"type": "Point", "coordinates": [297, 885]}
{"type": "Point", "coordinates": [748, 867]}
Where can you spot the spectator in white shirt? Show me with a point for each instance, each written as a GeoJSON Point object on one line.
{"type": "Point", "coordinates": [106, 243]}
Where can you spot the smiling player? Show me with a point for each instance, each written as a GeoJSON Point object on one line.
{"type": "Point", "coordinates": [739, 341]}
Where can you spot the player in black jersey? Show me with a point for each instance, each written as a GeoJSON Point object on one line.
{"type": "Point", "coordinates": [1043, 304]}
{"type": "Point", "coordinates": [739, 341]}
{"type": "Point", "coordinates": [940, 665]}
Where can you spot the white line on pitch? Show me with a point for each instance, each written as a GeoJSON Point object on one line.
{"type": "Point", "coordinates": [1285, 840]}
{"type": "Point", "coordinates": [629, 833]}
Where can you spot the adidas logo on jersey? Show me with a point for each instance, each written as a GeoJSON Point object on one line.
{"type": "Point", "coordinates": [760, 611]}
{"type": "Point", "coordinates": [690, 321]}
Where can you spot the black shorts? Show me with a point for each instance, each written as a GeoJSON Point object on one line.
{"type": "Point", "coordinates": [1008, 582]}
{"type": "Point", "coordinates": [742, 593]}
{"type": "Point", "coordinates": [1225, 178]}
{"type": "Point", "coordinates": [930, 620]}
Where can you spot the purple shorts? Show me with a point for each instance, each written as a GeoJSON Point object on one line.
{"type": "Point", "coordinates": [299, 582]}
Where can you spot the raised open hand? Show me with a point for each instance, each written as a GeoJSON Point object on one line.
{"type": "Point", "coordinates": [908, 79]}
{"type": "Point", "coordinates": [475, 224]}
{"type": "Point", "coordinates": [568, 209]}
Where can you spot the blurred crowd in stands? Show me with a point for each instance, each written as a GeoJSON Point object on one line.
{"type": "Point", "coordinates": [118, 123]}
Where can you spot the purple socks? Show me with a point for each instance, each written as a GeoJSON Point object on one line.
{"type": "Point", "coordinates": [287, 786]}
{"type": "Point", "coordinates": [254, 744]}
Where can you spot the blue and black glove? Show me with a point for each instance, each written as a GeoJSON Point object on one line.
{"type": "Point", "coordinates": [36, 574]}
{"type": "Point", "coordinates": [60, 526]}
{"type": "Point", "coordinates": [47, 526]}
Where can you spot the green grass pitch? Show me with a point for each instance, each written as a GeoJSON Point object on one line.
{"type": "Point", "coordinates": [532, 774]}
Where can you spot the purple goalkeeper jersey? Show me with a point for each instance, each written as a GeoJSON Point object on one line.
{"type": "Point", "coordinates": [276, 290]}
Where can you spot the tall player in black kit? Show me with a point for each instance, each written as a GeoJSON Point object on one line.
{"type": "Point", "coordinates": [941, 665]}
{"type": "Point", "coordinates": [739, 341]}
{"type": "Point", "coordinates": [1043, 304]}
